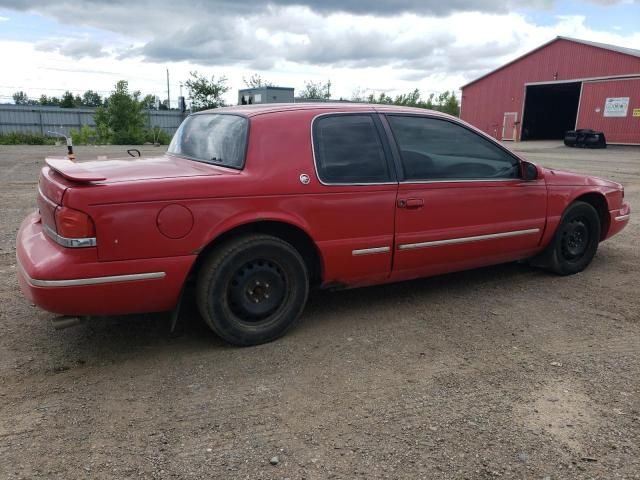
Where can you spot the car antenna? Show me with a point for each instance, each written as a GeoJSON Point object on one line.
{"type": "Point", "coordinates": [70, 154]}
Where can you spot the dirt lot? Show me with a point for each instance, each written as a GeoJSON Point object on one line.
{"type": "Point", "coordinates": [503, 372]}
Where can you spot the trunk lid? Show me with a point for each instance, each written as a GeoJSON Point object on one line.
{"type": "Point", "coordinates": [128, 169]}
{"type": "Point", "coordinates": [61, 174]}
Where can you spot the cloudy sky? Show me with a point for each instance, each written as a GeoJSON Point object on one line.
{"type": "Point", "coordinates": [384, 45]}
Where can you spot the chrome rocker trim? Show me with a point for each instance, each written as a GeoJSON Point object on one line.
{"type": "Point", "coordinates": [478, 238]}
{"type": "Point", "coordinates": [75, 282]}
{"type": "Point", "coordinates": [623, 218]}
{"type": "Point", "coordinates": [369, 251]}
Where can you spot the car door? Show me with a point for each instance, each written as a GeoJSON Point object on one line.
{"type": "Point", "coordinates": [461, 200]}
{"type": "Point", "coordinates": [353, 212]}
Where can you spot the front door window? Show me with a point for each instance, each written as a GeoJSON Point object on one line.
{"type": "Point", "coordinates": [438, 149]}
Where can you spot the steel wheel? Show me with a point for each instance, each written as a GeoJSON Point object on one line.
{"type": "Point", "coordinates": [256, 290]}
{"type": "Point", "coordinates": [252, 289]}
{"type": "Point", "coordinates": [575, 242]}
{"type": "Point", "coordinates": [575, 239]}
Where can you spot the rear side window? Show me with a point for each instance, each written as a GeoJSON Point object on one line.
{"type": "Point", "coordinates": [436, 149]}
{"type": "Point", "coordinates": [348, 150]}
{"type": "Point", "coordinates": [220, 139]}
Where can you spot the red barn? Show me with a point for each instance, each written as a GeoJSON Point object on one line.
{"type": "Point", "coordinates": [562, 85]}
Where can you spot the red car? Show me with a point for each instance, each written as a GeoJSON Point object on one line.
{"type": "Point", "coordinates": [258, 204]}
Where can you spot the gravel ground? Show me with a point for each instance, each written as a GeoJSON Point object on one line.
{"type": "Point", "coordinates": [501, 372]}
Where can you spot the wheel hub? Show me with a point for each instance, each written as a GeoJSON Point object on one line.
{"type": "Point", "coordinates": [575, 240]}
{"type": "Point", "coordinates": [256, 290]}
{"type": "Point", "coordinates": [259, 291]}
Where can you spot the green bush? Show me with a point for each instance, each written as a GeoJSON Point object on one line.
{"type": "Point", "coordinates": [120, 120]}
{"type": "Point", "coordinates": [84, 136]}
{"type": "Point", "coordinates": [19, 138]}
{"type": "Point", "coordinates": [157, 135]}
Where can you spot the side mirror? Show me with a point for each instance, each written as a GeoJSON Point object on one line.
{"type": "Point", "coordinates": [529, 171]}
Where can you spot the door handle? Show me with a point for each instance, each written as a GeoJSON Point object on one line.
{"type": "Point", "coordinates": [411, 203]}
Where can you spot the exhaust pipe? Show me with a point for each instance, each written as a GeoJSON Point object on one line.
{"type": "Point", "coordinates": [62, 322]}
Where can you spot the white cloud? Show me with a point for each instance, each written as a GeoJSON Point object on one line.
{"type": "Point", "coordinates": [74, 48]}
{"type": "Point", "coordinates": [289, 45]}
{"type": "Point", "coordinates": [4, 19]}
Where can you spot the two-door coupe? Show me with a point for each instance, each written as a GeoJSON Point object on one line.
{"type": "Point", "coordinates": [258, 204]}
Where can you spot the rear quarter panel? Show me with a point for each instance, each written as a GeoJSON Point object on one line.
{"type": "Point", "coordinates": [338, 218]}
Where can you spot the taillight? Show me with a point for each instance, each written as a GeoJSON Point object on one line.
{"type": "Point", "coordinates": [72, 223]}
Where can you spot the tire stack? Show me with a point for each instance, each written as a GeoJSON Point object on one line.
{"type": "Point", "coordinates": [585, 138]}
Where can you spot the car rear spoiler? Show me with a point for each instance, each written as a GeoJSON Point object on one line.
{"type": "Point", "coordinates": [72, 170]}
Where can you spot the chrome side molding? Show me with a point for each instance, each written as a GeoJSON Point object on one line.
{"type": "Point", "coordinates": [477, 238]}
{"type": "Point", "coordinates": [75, 282]}
{"type": "Point", "coordinates": [369, 251]}
{"type": "Point", "coordinates": [623, 218]}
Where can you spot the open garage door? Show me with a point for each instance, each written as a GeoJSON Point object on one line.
{"type": "Point", "coordinates": [550, 110]}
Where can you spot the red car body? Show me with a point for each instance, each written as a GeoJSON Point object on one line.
{"type": "Point", "coordinates": [154, 218]}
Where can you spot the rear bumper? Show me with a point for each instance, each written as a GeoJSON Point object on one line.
{"type": "Point", "coordinates": [619, 219]}
{"type": "Point", "coordinates": [74, 282]}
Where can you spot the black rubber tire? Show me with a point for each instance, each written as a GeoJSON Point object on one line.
{"type": "Point", "coordinates": [564, 255]}
{"type": "Point", "coordinates": [217, 288]}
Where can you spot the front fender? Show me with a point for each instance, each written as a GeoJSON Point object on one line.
{"type": "Point", "coordinates": [560, 197]}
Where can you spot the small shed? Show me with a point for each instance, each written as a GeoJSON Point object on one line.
{"type": "Point", "coordinates": [249, 96]}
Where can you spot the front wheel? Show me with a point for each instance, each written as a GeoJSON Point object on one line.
{"type": "Point", "coordinates": [576, 240]}
{"type": "Point", "coordinates": [252, 289]}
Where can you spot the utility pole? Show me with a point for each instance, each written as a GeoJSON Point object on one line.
{"type": "Point", "coordinates": [168, 95]}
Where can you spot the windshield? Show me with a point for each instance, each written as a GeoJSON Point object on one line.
{"type": "Point", "coordinates": [213, 138]}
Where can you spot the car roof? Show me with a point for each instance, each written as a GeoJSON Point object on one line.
{"type": "Point", "coordinates": [320, 107]}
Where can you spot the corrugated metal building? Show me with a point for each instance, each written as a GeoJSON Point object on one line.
{"type": "Point", "coordinates": [39, 119]}
{"type": "Point", "coordinates": [562, 85]}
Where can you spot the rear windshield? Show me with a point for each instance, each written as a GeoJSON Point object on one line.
{"type": "Point", "coordinates": [219, 139]}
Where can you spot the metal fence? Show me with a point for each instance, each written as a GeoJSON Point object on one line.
{"type": "Point", "coordinates": [38, 119]}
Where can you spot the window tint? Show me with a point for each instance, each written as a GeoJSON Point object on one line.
{"type": "Point", "coordinates": [348, 149]}
{"type": "Point", "coordinates": [212, 138]}
{"type": "Point", "coordinates": [434, 149]}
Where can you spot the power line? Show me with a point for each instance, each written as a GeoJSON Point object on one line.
{"type": "Point", "coordinates": [44, 88]}
{"type": "Point", "coordinates": [75, 91]}
{"type": "Point", "coordinates": [31, 87]}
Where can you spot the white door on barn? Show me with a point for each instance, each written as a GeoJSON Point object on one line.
{"type": "Point", "coordinates": [509, 126]}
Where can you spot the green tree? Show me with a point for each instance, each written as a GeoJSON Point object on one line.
{"type": "Point", "coordinates": [316, 90]}
{"type": "Point", "coordinates": [21, 98]}
{"type": "Point", "coordinates": [256, 81]}
{"type": "Point", "coordinates": [205, 93]}
{"type": "Point", "coordinates": [151, 102]}
{"type": "Point", "coordinates": [49, 101]}
{"type": "Point", "coordinates": [67, 100]}
{"type": "Point", "coordinates": [449, 103]}
{"type": "Point", "coordinates": [91, 99]}
{"type": "Point", "coordinates": [381, 98]}
{"type": "Point", "coordinates": [429, 102]}
{"type": "Point", "coordinates": [446, 102]}
{"type": "Point", "coordinates": [121, 120]}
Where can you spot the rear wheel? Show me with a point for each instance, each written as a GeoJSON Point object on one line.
{"type": "Point", "coordinates": [252, 289]}
{"type": "Point", "coordinates": [576, 240]}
